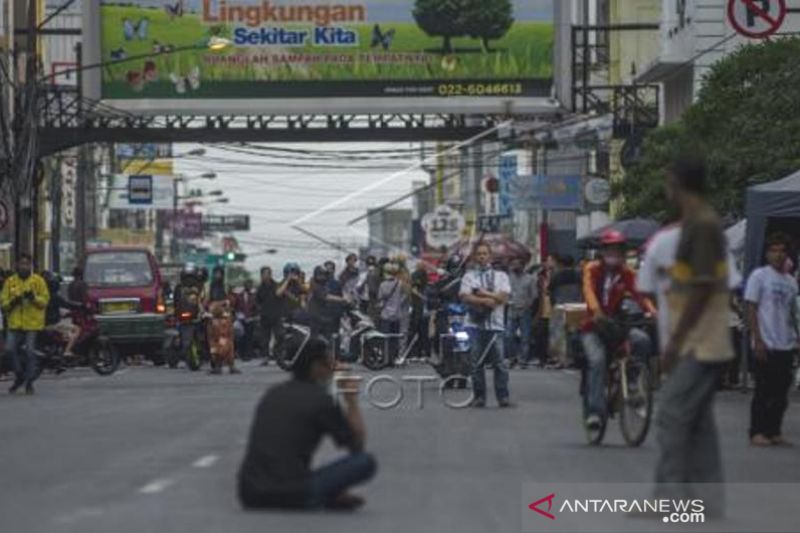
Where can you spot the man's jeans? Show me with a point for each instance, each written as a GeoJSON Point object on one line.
{"type": "Point", "coordinates": [13, 344]}
{"type": "Point", "coordinates": [336, 478]}
{"type": "Point", "coordinates": [524, 324]}
{"type": "Point", "coordinates": [595, 350]}
{"type": "Point", "coordinates": [487, 349]}
{"type": "Point", "coordinates": [687, 435]}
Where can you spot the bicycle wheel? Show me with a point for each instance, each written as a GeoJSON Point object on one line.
{"type": "Point", "coordinates": [636, 410]}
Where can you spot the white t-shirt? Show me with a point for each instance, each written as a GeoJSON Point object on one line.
{"type": "Point", "coordinates": [775, 295]}
{"type": "Point", "coordinates": [493, 281]}
{"type": "Point", "coordinates": [653, 277]}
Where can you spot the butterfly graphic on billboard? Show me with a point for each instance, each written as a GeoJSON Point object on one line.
{"type": "Point", "coordinates": [188, 82]}
{"type": "Point", "coordinates": [174, 10]}
{"type": "Point", "coordinates": [380, 38]}
{"type": "Point", "coordinates": [135, 30]}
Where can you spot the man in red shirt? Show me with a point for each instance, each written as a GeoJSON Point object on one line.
{"type": "Point", "coordinates": [607, 282]}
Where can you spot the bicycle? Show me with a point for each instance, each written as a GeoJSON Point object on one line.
{"type": "Point", "coordinates": [633, 404]}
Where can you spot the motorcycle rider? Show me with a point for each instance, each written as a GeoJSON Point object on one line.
{"type": "Point", "coordinates": [607, 282]}
{"type": "Point", "coordinates": [64, 326]}
{"type": "Point", "coordinates": [188, 296]}
{"type": "Point", "coordinates": [220, 329]}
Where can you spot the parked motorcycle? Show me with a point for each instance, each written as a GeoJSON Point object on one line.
{"type": "Point", "coordinates": [245, 329]}
{"type": "Point", "coordinates": [455, 347]}
{"type": "Point", "coordinates": [362, 342]}
{"type": "Point", "coordinates": [294, 333]}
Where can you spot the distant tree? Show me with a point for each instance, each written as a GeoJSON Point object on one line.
{"type": "Point", "coordinates": [441, 18]}
{"type": "Point", "coordinates": [488, 20]}
{"type": "Point", "coordinates": [746, 120]}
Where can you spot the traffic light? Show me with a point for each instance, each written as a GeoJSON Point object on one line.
{"type": "Point", "coordinates": [235, 257]}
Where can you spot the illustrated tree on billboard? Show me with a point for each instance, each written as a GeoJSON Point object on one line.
{"type": "Point", "coordinates": [441, 18]}
{"type": "Point", "coordinates": [479, 19]}
{"type": "Point", "coordinates": [488, 20]}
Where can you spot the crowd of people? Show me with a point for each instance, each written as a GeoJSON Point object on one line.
{"type": "Point", "coordinates": [686, 280]}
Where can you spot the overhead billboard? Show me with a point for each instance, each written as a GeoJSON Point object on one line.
{"type": "Point", "coordinates": [325, 49]}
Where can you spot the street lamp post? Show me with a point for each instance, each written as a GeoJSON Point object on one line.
{"type": "Point", "coordinates": [25, 145]}
{"type": "Point", "coordinates": [174, 248]}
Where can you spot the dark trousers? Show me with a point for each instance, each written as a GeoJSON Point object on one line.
{"type": "Point", "coordinates": [419, 329]}
{"type": "Point", "coordinates": [270, 329]}
{"type": "Point", "coordinates": [689, 458]}
{"type": "Point", "coordinates": [542, 340]}
{"type": "Point", "coordinates": [334, 479]}
{"type": "Point", "coordinates": [324, 485]}
{"type": "Point", "coordinates": [392, 327]}
{"type": "Point", "coordinates": [771, 397]}
{"type": "Point", "coordinates": [26, 340]}
{"type": "Point", "coordinates": [487, 350]}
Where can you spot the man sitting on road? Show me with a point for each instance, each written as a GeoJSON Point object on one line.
{"type": "Point", "coordinates": [607, 282]}
{"type": "Point", "coordinates": [290, 421]}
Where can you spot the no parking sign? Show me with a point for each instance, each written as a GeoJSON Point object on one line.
{"type": "Point", "coordinates": [756, 19]}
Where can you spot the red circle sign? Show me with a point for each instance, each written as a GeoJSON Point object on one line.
{"type": "Point", "coordinates": [756, 19]}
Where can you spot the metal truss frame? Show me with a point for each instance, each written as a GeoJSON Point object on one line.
{"type": "Point", "coordinates": [68, 120]}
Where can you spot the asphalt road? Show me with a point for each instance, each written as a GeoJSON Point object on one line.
{"type": "Point", "coordinates": [152, 449]}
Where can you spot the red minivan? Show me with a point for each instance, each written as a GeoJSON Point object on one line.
{"type": "Point", "coordinates": [125, 288]}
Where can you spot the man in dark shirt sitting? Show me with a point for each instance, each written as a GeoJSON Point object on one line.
{"type": "Point", "coordinates": [290, 421]}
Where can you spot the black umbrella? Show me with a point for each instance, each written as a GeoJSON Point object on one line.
{"type": "Point", "coordinates": [637, 230]}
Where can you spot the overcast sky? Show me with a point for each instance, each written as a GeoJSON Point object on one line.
{"type": "Point", "coordinates": [275, 195]}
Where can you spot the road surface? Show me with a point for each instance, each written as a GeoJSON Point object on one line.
{"type": "Point", "coordinates": [151, 449]}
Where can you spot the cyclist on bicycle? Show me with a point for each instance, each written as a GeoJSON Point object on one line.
{"type": "Point", "coordinates": [607, 282]}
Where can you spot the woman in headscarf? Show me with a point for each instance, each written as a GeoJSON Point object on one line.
{"type": "Point", "coordinates": [220, 329]}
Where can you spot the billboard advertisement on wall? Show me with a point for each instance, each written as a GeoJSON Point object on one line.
{"type": "Point", "coordinates": [290, 49]}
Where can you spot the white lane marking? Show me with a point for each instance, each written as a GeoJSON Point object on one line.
{"type": "Point", "coordinates": [78, 514]}
{"type": "Point", "coordinates": [206, 462]}
{"type": "Point", "coordinates": [156, 486]}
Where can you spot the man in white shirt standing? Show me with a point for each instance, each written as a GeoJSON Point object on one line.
{"type": "Point", "coordinates": [771, 299]}
{"type": "Point", "coordinates": [486, 292]}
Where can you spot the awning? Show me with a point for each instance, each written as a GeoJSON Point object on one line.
{"type": "Point", "coordinates": [663, 68]}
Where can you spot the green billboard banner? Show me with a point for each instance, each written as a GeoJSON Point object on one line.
{"type": "Point", "coordinates": [326, 48]}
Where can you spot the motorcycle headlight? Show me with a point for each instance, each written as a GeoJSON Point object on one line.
{"type": "Point", "coordinates": [462, 336]}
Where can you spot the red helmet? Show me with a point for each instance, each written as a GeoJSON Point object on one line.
{"type": "Point", "coordinates": [612, 237]}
